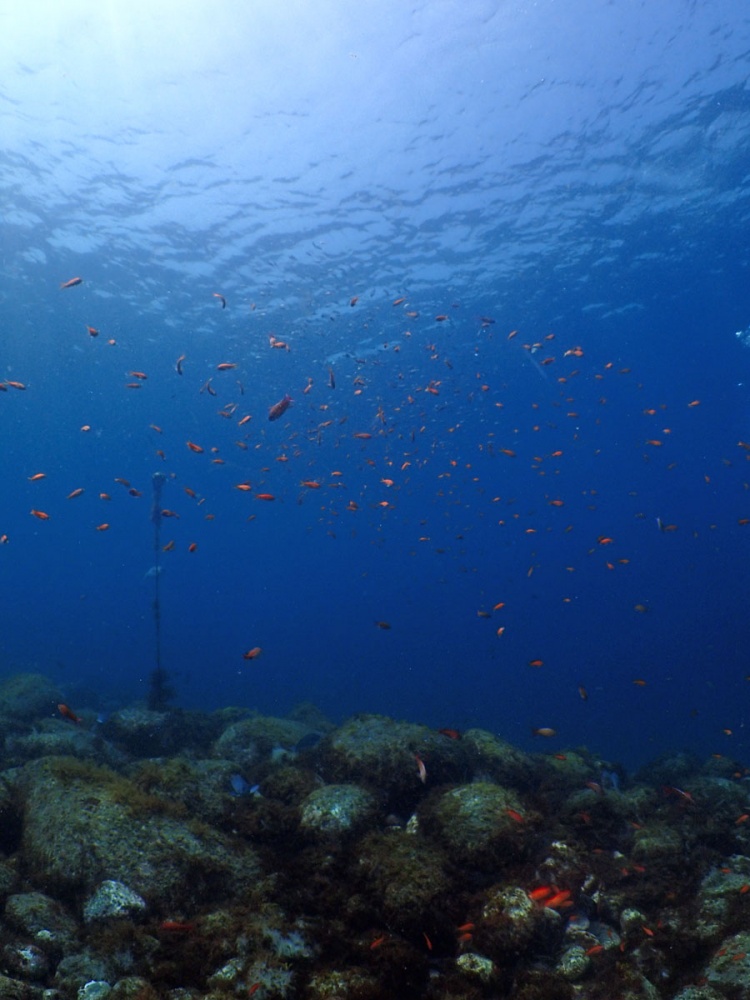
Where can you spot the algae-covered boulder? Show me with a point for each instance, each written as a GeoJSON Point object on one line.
{"type": "Point", "coordinates": [199, 787]}
{"type": "Point", "coordinates": [250, 741]}
{"type": "Point", "coordinates": [28, 697]}
{"type": "Point", "coordinates": [339, 809]}
{"type": "Point", "coordinates": [510, 922]}
{"type": "Point", "coordinates": [336, 985]}
{"type": "Point", "coordinates": [141, 732]}
{"type": "Point", "coordinates": [658, 842]}
{"type": "Point", "coordinates": [699, 993]}
{"type": "Point", "coordinates": [496, 759]}
{"type": "Point", "coordinates": [57, 738]}
{"type": "Point", "coordinates": [729, 969]}
{"type": "Point", "coordinates": [42, 920]}
{"type": "Point", "coordinates": [717, 899]}
{"type": "Point", "coordinates": [84, 825]}
{"type": "Point", "coordinates": [385, 755]}
{"type": "Point", "coordinates": [477, 824]}
{"type": "Point", "coordinates": [402, 877]}
{"type": "Point", "coordinates": [16, 989]}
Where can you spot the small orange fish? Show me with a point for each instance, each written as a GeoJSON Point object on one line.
{"type": "Point", "coordinates": [377, 942]}
{"type": "Point", "coordinates": [311, 484]}
{"type": "Point", "coordinates": [220, 297]}
{"type": "Point", "coordinates": [243, 487]}
{"type": "Point", "coordinates": [516, 816]}
{"type": "Point", "coordinates": [421, 769]}
{"type": "Point", "coordinates": [543, 892]}
{"type": "Point", "coordinates": [69, 714]}
{"type": "Point", "coordinates": [93, 332]}
{"type": "Point", "coordinates": [168, 547]}
{"type": "Point", "coordinates": [37, 476]}
{"type": "Point", "coordinates": [441, 318]}
{"type": "Point", "coordinates": [558, 900]}
{"type": "Point", "coordinates": [176, 926]}
{"type": "Point", "coordinates": [536, 663]}
{"type": "Point", "coordinates": [102, 527]}
{"type": "Point", "coordinates": [544, 731]}
{"type": "Point", "coordinates": [15, 385]}
{"type": "Point", "coordinates": [595, 949]}
{"type": "Point", "coordinates": [354, 300]}
{"type": "Point", "coordinates": [75, 493]}
{"type": "Point", "coordinates": [452, 734]}
{"type": "Point", "coordinates": [140, 375]}
{"type": "Point", "coordinates": [71, 283]}
{"type": "Point", "coordinates": [583, 692]}
{"type": "Point", "coordinates": [384, 625]}
{"type": "Point", "coordinates": [252, 654]}
{"type": "Point", "coordinates": [362, 435]}
{"type": "Point", "coordinates": [639, 682]}
{"type": "Point", "coordinates": [225, 366]}
{"type": "Point", "coordinates": [40, 514]}
{"type": "Point", "coordinates": [194, 447]}
{"type": "Point", "coordinates": [193, 547]}
{"type": "Point", "coordinates": [264, 496]}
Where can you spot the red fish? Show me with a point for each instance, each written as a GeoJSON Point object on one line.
{"type": "Point", "coordinates": [71, 283]}
{"type": "Point", "coordinates": [280, 408]}
{"type": "Point", "coordinates": [69, 714]}
{"type": "Point", "coordinates": [176, 926]}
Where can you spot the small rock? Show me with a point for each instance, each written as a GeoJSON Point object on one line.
{"type": "Point", "coordinates": [573, 964]}
{"type": "Point", "coordinates": [112, 900]}
{"type": "Point", "coordinates": [26, 961]}
{"type": "Point", "coordinates": [95, 989]}
{"type": "Point", "coordinates": [337, 809]}
{"type": "Point", "coordinates": [478, 966]}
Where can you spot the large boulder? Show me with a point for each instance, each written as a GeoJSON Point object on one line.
{"type": "Point", "coordinates": [83, 825]}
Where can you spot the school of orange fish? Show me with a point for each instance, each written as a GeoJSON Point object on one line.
{"type": "Point", "coordinates": [390, 436]}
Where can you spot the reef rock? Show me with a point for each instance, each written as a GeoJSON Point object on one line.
{"type": "Point", "coordinates": [475, 823]}
{"type": "Point", "coordinates": [381, 754]}
{"type": "Point", "coordinates": [84, 825]}
{"type": "Point", "coordinates": [41, 919]}
{"type": "Point", "coordinates": [337, 809]}
{"type": "Point", "coordinates": [729, 969]}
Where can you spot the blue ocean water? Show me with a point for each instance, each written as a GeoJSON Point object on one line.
{"type": "Point", "coordinates": [513, 235]}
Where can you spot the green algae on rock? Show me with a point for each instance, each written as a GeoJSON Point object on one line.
{"type": "Point", "coordinates": [377, 752]}
{"type": "Point", "coordinates": [475, 823]}
{"type": "Point", "coordinates": [403, 878]}
{"type": "Point", "coordinates": [82, 826]}
{"type": "Point", "coordinates": [337, 809]}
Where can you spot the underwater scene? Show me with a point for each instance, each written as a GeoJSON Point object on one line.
{"type": "Point", "coordinates": [375, 510]}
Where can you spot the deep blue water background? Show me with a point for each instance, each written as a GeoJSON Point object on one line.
{"type": "Point", "coordinates": [576, 170]}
